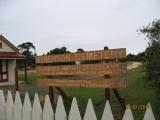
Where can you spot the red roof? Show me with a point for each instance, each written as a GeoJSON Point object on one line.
{"type": "Point", "coordinates": [10, 55]}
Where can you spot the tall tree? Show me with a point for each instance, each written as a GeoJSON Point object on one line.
{"type": "Point", "coordinates": [28, 50]}
{"type": "Point", "coordinates": [152, 52]}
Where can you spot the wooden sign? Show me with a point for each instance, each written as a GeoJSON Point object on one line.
{"type": "Point", "coordinates": [47, 69]}
{"type": "Point", "coordinates": [82, 69]}
{"type": "Point", "coordinates": [109, 83]}
{"type": "Point", "coordinates": [92, 55]}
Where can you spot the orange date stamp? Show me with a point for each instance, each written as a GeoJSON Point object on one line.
{"type": "Point", "coordinates": [138, 107]}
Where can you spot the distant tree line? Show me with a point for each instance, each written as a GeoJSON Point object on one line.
{"type": "Point", "coordinates": [61, 50]}
{"type": "Point", "coordinates": [140, 57]}
{"type": "Point", "coordinates": [28, 50]}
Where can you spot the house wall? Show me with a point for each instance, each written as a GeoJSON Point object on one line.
{"type": "Point", "coordinates": [5, 47]}
{"type": "Point", "coordinates": [11, 70]}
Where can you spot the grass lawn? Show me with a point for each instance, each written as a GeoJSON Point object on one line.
{"type": "Point", "coordinates": [135, 94]}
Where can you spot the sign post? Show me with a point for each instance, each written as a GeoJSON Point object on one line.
{"type": "Point", "coordinates": [107, 90]}
{"type": "Point", "coordinates": [51, 94]}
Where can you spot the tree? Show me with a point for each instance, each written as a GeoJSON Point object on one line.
{"type": "Point", "coordinates": [130, 57]}
{"type": "Point", "coordinates": [80, 50]}
{"type": "Point", "coordinates": [61, 50]}
{"type": "Point", "coordinates": [28, 50]}
{"type": "Point", "coordinates": [106, 48]}
{"type": "Point", "coordinates": [140, 57]}
{"type": "Point", "coordinates": [152, 52]}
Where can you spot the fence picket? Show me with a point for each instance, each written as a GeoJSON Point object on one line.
{"type": "Point", "coordinates": [60, 113]}
{"type": "Point", "coordinates": [107, 114]}
{"type": "Point", "coordinates": [37, 110]}
{"type": "Point", "coordinates": [47, 110]}
{"type": "Point", "coordinates": [74, 113]}
{"type": "Point", "coordinates": [149, 113]}
{"type": "Point", "coordinates": [17, 110]}
{"type": "Point", "coordinates": [2, 106]}
{"type": "Point", "coordinates": [27, 109]}
{"type": "Point", "coordinates": [9, 107]}
{"type": "Point", "coordinates": [128, 114]}
{"type": "Point", "coordinates": [90, 113]}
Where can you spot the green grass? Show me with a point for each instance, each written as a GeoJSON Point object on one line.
{"type": "Point", "coordinates": [31, 77]}
{"type": "Point", "coordinates": [135, 94]}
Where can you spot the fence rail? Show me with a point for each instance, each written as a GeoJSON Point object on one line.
{"type": "Point", "coordinates": [14, 110]}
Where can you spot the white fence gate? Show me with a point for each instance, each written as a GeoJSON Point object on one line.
{"type": "Point", "coordinates": [10, 110]}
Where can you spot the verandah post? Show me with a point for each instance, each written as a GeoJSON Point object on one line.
{"type": "Point", "coordinates": [25, 71]}
{"type": "Point", "coordinates": [16, 79]}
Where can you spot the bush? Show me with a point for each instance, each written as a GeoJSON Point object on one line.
{"type": "Point", "coordinates": [152, 53]}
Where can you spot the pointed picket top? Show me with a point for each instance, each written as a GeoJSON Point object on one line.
{"type": "Point", "coordinates": [128, 114]}
{"type": "Point", "coordinates": [27, 103]}
{"type": "Point", "coordinates": [60, 113]}
{"type": "Point", "coordinates": [74, 113]}
{"type": "Point", "coordinates": [47, 110]}
{"type": "Point", "coordinates": [9, 99]}
{"type": "Point", "coordinates": [9, 106]}
{"type": "Point", "coordinates": [90, 113]}
{"type": "Point", "coordinates": [107, 114]}
{"type": "Point", "coordinates": [37, 110]}
{"type": "Point", "coordinates": [18, 102]}
{"type": "Point", "coordinates": [36, 103]}
{"type": "Point", "coordinates": [27, 109]}
{"type": "Point", "coordinates": [2, 99]}
{"type": "Point", "coordinates": [2, 106]}
{"type": "Point", "coordinates": [17, 114]}
{"type": "Point", "coordinates": [149, 113]}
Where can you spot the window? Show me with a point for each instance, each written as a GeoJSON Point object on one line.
{"type": "Point", "coordinates": [0, 45]}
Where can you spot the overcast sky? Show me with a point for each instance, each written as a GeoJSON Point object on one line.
{"type": "Point", "coordinates": [87, 24]}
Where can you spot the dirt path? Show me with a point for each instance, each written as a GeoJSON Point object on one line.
{"type": "Point", "coordinates": [133, 65]}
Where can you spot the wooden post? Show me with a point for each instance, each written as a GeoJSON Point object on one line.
{"type": "Point", "coordinates": [16, 79]}
{"type": "Point", "coordinates": [107, 90]}
{"type": "Point", "coordinates": [120, 99]}
{"type": "Point", "coordinates": [63, 93]}
{"type": "Point", "coordinates": [51, 94]}
{"type": "Point", "coordinates": [107, 94]}
{"type": "Point", "coordinates": [25, 71]}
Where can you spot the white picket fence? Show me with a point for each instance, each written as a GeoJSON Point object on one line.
{"type": "Point", "coordinates": [10, 110]}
